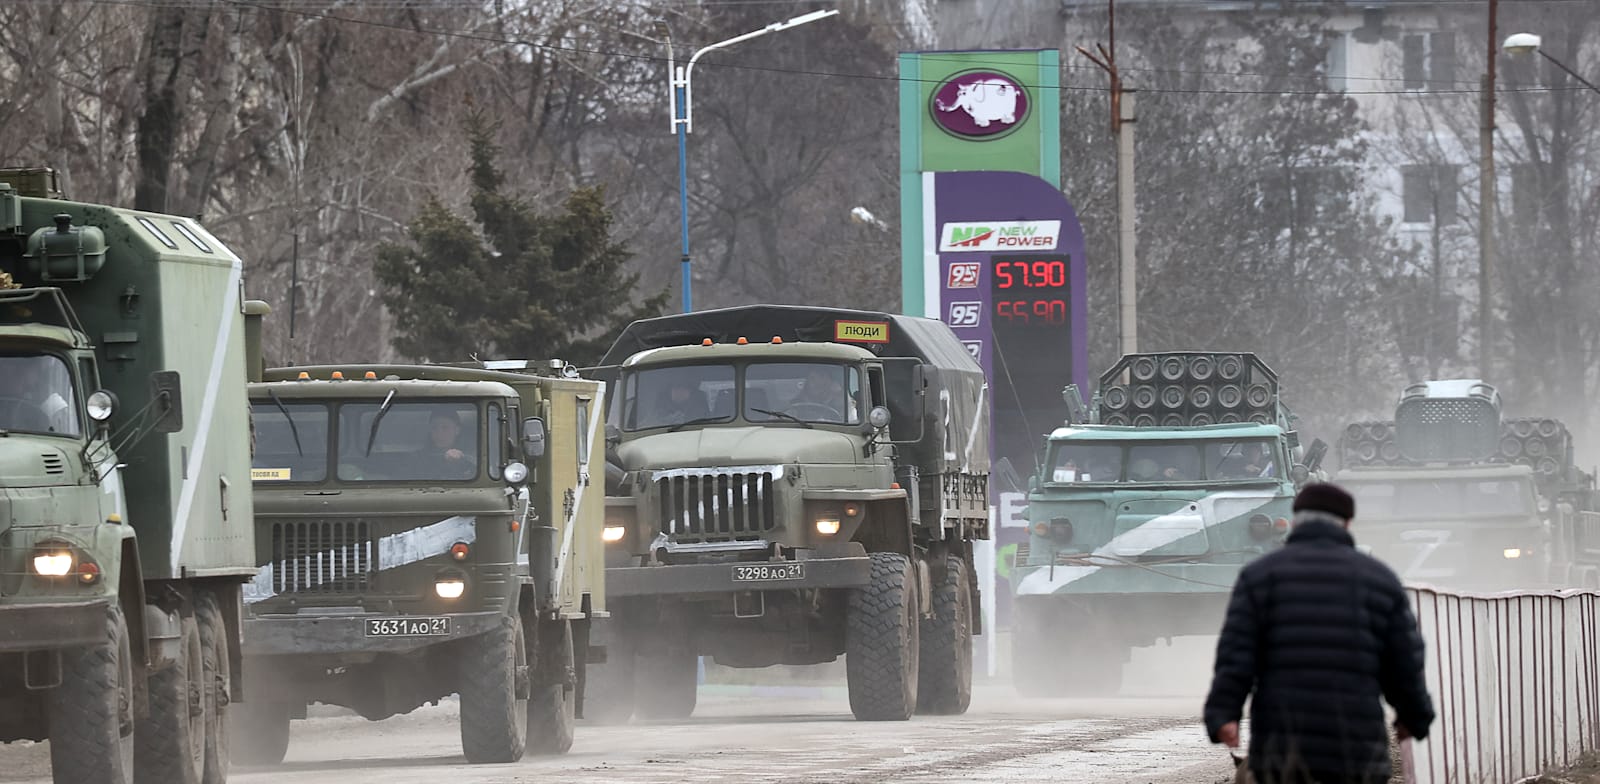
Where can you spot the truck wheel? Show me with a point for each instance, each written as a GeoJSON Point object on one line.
{"type": "Point", "coordinates": [91, 712]}
{"type": "Point", "coordinates": [552, 699]}
{"type": "Point", "coordinates": [665, 685]}
{"type": "Point", "coordinates": [259, 732]}
{"type": "Point", "coordinates": [216, 688]}
{"type": "Point", "coordinates": [880, 642]}
{"type": "Point", "coordinates": [608, 688]}
{"type": "Point", "coordinates": [494, 694]}
{"type": "Point", "coordinates": [944, 674]}
{"type": "Point", "coordinates": [171, 741]}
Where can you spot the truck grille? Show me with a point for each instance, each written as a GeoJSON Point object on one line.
{"type": "Point", "coordinates": [711, 507]}
{"type": "Point", "coordinates": [323, 556]}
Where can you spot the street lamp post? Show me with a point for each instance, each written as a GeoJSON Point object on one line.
{"type": "Point", "coordinates": [1122, 119]}
{"type": "Point", "coordinates": [1528, 43]}
{"type": "Point", "coordinates": [682, 94]}
{"type": "Point", "coordinates": [1488, 197]}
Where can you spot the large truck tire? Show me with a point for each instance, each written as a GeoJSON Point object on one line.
{"type": "Point", "coordinates": [881, 645]}
{"type": "Point", "coordinates": [170, 742]}
{"type": "Point", "coordinates": [944, 673]}
{"type": "Point", "coordinates": [259, 732]}
{"type": "Point", "coordinates": [552, 698]}
{"type": "Point", "coordinates": [664, 683]}
{"type": "Point", "coordinates": [216, 686]}
{"type": "Point", "coordinates": [494, 694]}
{"type": "Point", "coordinates": [91, 712]}
{"type": "Point", "coordinates": [608, 688]}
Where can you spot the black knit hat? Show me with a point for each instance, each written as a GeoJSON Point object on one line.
{"type": "Point", "coordinates": [1324, 497]}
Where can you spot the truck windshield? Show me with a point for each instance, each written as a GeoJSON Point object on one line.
{"type": "Point", "coordinates": [1443, 499]}
{"type": "Point", "coordinates": [394, 441]}
{"type": "Point", "coordinates": [661, 397]}
{"type": "Point", "coordinates": [291, 441]}
{"type": "Point", "coordinates": [808, 391]}
{"type": "Point", "coordinates": [36, 395]}
{"type": "Point", "coordinates": [1149, 462]}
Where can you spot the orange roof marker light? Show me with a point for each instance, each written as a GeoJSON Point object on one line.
{"type": "Point", "coordinates": [304, 375]}
{"type": "Point", "coordinates": [777, 341]}
{"type": "Point", "coordinates": [706, 342]}
{"type": "Point", "coordinates": [743, 341]}
{"type": "Point", "coordinates": [372, 375]}
{"type": "Point", "coordinates": [338, 375]}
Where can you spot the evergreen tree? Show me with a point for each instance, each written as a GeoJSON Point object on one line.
{"type": "Point", "coordinates": [511, 281]}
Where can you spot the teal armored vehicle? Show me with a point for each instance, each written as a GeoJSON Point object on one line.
{"type": "Point", "coordinates": [424, 531]}
{"type": "Point", "coordinates": [1454, 494]}
{"type": "Point", "coordinates": [1144, 510]}
{"type": "Point", "coordinates": [792, 484]}
{"type": "Point", "coordinates": [124, 487]}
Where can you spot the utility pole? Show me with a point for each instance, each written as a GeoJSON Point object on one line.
{"type": "Point", "coordinates": [1122, 119]}
{"type": "Point", "coordinates": [1488, 197]}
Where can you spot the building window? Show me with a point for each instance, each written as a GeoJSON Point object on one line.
{"type": "Point", "coordinates": [1428, 60]}
{"type": "Point", "coordinates": [1429, 194]}
{"type": "Point", "coordinates": [1338, 64]}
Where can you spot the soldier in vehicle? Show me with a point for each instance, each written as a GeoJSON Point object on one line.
{"type": "Point", "coordinates": [823, 395]}
{"type": "Point", "coordinates": [683, 402]}
{"type": "Point", "coordinates": [1245, 461]}
{"type": "Point", "coordinates": [443, 457]}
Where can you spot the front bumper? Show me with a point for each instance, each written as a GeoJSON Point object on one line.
{"type": "Point", "coordinates": [715, 578]}
{"type": "Point", "coordinates": [305, 634]}
{"type": "Point", "coordinates": [48, 626]}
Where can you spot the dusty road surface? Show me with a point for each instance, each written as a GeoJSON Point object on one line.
{"type": "Point", "coordinates": [773, 734]}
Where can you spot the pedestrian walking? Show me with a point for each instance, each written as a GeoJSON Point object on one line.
{"type": "Point", "coordinates": [1320, 634]}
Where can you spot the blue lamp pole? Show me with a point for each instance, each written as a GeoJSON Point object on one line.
{"type": "Point", "coordinates": [683, 123]}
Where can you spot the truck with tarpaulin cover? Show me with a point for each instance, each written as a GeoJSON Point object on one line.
{"type": "Point", "coordinates": [792, 484]}
{"type": "Point", "coordinates": [1453, 493]}
{"type": "Point", "coordinates": [124, 471]}
{"type": "Point", "coordinates": [424, 531]}
{"type": "Point", "coordinates": [1145, 507]}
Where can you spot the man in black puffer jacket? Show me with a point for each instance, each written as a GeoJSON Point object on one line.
{"type": "Point", "coordinates": [1321, 633]}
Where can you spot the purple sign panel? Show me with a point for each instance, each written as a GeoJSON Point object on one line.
{"type": "Point", "coordinates": [1011, 283]}
{"type": "Point", "coordinates": [980, 105]}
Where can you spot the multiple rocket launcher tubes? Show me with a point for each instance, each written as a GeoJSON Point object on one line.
{"type": "Point", "coordinates": [1188, 389]}
{"type": "Point", "coordinates": [1543, 444]}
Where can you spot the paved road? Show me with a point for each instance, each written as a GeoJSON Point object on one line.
{"type": "Point", "coordinates": [790, 735]}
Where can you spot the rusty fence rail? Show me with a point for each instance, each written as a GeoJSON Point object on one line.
{"type": "Point", "coordinates": [1515, 682]}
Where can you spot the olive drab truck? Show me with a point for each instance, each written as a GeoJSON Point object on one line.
{"type": "Point", "coordinates": [1146, 506]}
{"type": "Point", "coordinates": [1453, 493]}
{"type": "Point", "coordinates": [423, 531]}
{"type": "Point", "coordinates": [124, 470]}
{"type": "Point", "coordinates": [792, 484]}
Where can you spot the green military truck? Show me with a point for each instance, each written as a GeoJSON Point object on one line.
{"type": "Point", "coordinates": [792, 484]}
{"type": "Point", "coordinates": [424, 531]}
{"type": "Point", "coordinates": [1454, 494]}
{"type": "Point", "coordinates": [124, 462]}
{"type": "Point", "coordinates": [1144, 509]}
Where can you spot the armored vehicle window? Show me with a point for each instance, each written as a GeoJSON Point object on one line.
{"type": "Point", "coordinates": [1086, 463]}
{"type": "Point", "coordinates": [1443, 499]}
{"type": "Point", "coordinates": [36, 395]}
{"type": "Point", "coordinates": [583, 433]}
{"type": "Point", "coordinates": [808, 391]}
{"type": "Point", "coordinates": [496, 423]}
{"type": "Point", "coordinates": [291, 441]}
{"type": "Point", "coordinates": [1164, 463]}
{"type": "Point", "coordinates": [1246, 459]}
{"type": "Point", "coordinates": [410, 442]}
{"type": "Point", "coordinates": [660, 397]}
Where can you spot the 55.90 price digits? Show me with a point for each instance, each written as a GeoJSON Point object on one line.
{"type": "Point", "coordinates": [1046, 274]}
{"type": "Point", "coordinates": [1043, 311]}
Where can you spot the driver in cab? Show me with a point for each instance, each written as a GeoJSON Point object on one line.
{"type": "Point", "coordinates": [822, 397]}
{"type": "Point", "coordinates": [443, 456]}
{"type": "Point", "coordinates": [33, 398]}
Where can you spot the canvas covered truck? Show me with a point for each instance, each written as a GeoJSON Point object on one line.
{"type": "Point", "coordinates": [124, 470]}
{"type": "Point", "coordinates": [1454, 494]}
{"type": "Point", "coordinates": [423, 531]}
{"type": "Point", "coordinates": [792, 484]}
{"type": "Point", "coordinates": [1144, 510]}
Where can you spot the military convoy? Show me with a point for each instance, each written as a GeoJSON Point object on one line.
{"type": "Point", "coordinates": [125, 531]}
{"type": "Point", "coordinates": [1452, 493]}
{"type": "Point", "coordinates": [1145, 508]}
{"type": "Point", "coordinates": [422, 531]}
{"type": "Point", "coordinates": [791, 484]}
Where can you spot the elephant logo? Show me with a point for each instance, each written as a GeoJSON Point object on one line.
{"type": "Point", "coordinates": [980, 104]}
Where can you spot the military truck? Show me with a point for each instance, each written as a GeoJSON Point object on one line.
{"type": "Point", "coordinates": [1144, 509]}
{"type": "Point", "coordinates": [424, 531]}
{"type": "Point", "coordinates": [1452, 493]}
{"type": "Point", "coordinates": [124, 457]}
{"type": "Point", "coordinates": [792, 484]}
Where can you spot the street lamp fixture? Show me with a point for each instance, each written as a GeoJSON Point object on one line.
{"type": "Point", "coordinates": [682, 94]}
{"type": "Point", "coordinates": [1528, 43]}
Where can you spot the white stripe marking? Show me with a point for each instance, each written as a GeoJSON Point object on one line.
{"type": "Point", "coordinates": [395, 550]}
{"type": "Point", "coordinates": [931, 304]}
{"type": "Point", "coordinates": [219, 353]}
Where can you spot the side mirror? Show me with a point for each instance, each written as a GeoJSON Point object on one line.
{"type": "Point", "coordinates": [166, 402]}
{"type": "Point", "coordinates": [533, 437]}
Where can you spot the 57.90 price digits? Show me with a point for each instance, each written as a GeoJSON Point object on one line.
{"type": "Point", "coordinates": [1043, 311]}
{"type": "Point", "coordinates": [1048, 274]}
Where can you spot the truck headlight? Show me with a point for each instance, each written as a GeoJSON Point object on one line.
{"type": "Point", "coordinates": [828, 526]}
{"type": "Point", "coordinates": [1514, 552]}
{"type": "Point", "coordinates": [449, 588]}
{"type": "Point", "coordinates": [613, 533]}
{"type": "Point", "coordinates": [55, 563]}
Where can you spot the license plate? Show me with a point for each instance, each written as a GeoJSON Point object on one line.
{"type": "Point", "coordinates": [755, 573]}
{"type": "Point", "coordinates": [408, 627]}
